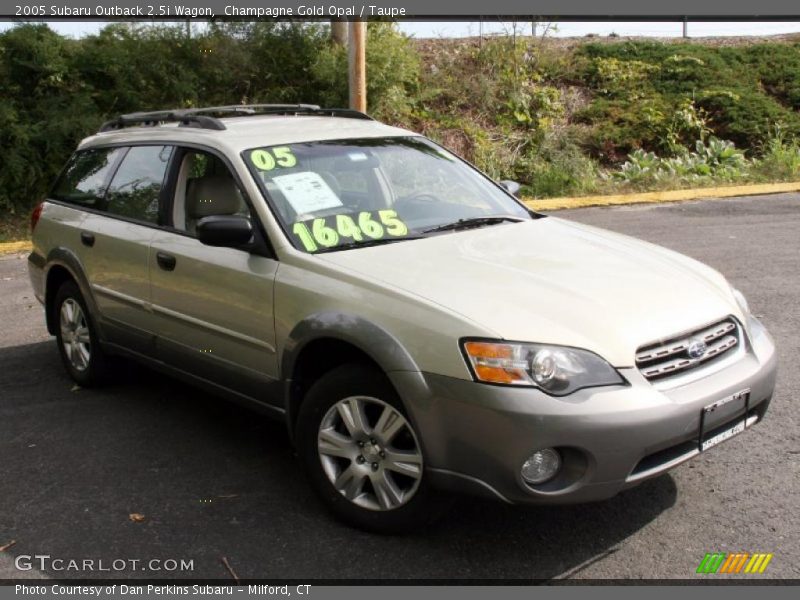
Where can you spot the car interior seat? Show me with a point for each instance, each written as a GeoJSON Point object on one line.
{"type": "Point", "coordinates": [212, 195]}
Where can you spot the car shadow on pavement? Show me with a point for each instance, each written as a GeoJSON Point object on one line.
{"type": "Point", "coordinates": [210, 480]}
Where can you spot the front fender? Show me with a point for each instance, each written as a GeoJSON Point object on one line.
{"type": "Point", "coordinates": [371, 339]}
{"type": "Point", "coordinates": [380, 345]}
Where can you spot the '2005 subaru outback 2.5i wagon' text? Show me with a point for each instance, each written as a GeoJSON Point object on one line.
{"type": "Point", "coordinates": [414, 324]}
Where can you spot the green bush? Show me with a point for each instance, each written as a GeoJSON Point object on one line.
{"type": "Point", "coordinates": [780, 157]}
{"type": "Point", "coordinates": [739, 91]}
{"type": "Point", "coordinates": [45, 109]}
{"type": "Point", "coordinates": [715, 160]}
{"type": "Point", "coordinates": [392, 72]}
{"type": "Point", "coordinates": [560, 120]}
{"type": "Point", "coordinates": [57, 90]}
{"type": "Point", "coordinates": [558, 167]}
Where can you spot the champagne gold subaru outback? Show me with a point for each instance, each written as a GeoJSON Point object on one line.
{"type": "Point", "coordinates": [418, 329]}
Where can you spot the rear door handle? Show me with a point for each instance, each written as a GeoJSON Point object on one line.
{"type": "Point", "coordinates": [87, 239]}
{"type": "Point", "coordinates": [165, 261]}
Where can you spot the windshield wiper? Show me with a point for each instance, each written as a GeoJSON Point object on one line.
{"type": "Point", "coordinates": [474, 222]}
{"type": "Point", "coordinates": [366, 243]}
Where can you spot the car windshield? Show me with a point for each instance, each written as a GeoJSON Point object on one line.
{"type": "Point", "coordinates": [338, 194]}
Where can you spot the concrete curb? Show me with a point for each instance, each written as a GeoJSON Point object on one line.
{"type": "Point", "coordinates": [666, 196]}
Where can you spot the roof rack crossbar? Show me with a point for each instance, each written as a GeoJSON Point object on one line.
{"type": "Point", "coordinates": [153, 119]}
{"type": "Point", "coordinates": [251, 109]}
{"type": "Point", "coordinates": [202, 117]}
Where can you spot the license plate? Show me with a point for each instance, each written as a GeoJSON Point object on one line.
{"type": "Point", "coordinates": [721, 437]}
{"type": "Point", "coordinates": [737, 428]}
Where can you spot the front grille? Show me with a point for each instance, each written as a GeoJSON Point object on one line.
{"type": "Point", "coordinates": [688, 351]}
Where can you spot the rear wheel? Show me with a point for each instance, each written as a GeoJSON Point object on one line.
{"type": "Point", "coordinates": [362, 453]}
{"type": "Point", "coordinates": [80, 351]}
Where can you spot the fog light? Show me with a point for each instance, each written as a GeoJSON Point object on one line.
{"type": "Point", "coordinates": [541, 466]}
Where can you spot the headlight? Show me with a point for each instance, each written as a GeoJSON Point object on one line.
{"type": "Point", "coordinates": [557, 370]}
{"type": "Point", "coordinates": [741, 300]}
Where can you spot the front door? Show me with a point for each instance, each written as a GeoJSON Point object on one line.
{"type": "Point", "coordinates": [213, 306]}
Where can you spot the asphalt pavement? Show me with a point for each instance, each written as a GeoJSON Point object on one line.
{"type": "Point", "coordinates": [212, 480]}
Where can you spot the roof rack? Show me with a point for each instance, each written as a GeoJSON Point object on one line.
{"type": "Point", "coordinates": [208, 117]}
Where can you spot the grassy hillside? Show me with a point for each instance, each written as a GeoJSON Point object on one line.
{"type": "Point", "coordinates": [563, 117]}
{"type": "Point", "coordinates": [578, 116]}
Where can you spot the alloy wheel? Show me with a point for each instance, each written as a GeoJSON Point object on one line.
{"type": "Point", "coordinates": [75, 337]}
{"type": "Point", "coordinates": [370, 453]}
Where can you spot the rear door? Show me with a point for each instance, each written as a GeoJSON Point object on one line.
{"type": "Point", "coordinates": [213, 306]}
{"type": "Point", "coordinates": [115, 238]}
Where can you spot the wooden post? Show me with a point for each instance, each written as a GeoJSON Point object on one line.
{"type": "Point", "coordinates": [357, 55]}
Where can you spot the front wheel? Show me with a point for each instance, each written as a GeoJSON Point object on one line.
{"type": "Point", "coordinates": [361, 452]}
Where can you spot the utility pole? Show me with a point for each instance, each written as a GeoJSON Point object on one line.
{"type": "Point", "coordinates": [357, 67]}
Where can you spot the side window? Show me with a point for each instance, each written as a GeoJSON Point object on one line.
{"type": "Point", "coordinates": [84, 179]}
{"type": "Point", "coordinates": [136, 187]}
{"type": "Point", "coordinates": [205, 187]}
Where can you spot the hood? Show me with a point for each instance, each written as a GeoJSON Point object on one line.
{"type": "Point", "coordinates": [553, 281]}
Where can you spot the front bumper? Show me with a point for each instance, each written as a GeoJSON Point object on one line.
{"type": "Point", "coordinates": [476, 436]}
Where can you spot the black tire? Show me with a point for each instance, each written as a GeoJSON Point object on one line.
{"type": "Point", "coordinates": [347, 381]}
{"type": "Point", "coordinates": [97, 367]}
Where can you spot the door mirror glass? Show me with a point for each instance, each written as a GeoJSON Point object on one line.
{"type": "Point", "coordinates": [512, 187]}
{"type": "Point", "coordinates": [229, 231]}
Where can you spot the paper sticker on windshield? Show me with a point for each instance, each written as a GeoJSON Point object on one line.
{"type": "Point", "coordinates": [335, 230]}
{"type": "Point", "coordinates": [307, 192]}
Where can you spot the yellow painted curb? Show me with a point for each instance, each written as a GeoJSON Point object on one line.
{"type": "Point", "coordinates": [14, 247]}
{"type": "Point", "coordinates": [667, 196]}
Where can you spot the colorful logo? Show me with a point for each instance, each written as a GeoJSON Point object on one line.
{"type": "Point", "coordinates": [734, 562]}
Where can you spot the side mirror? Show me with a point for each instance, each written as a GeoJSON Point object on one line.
{"type": "Point", "coordinates": [229, 231]}
{"type": "Point", "coordinates": [512, 187]}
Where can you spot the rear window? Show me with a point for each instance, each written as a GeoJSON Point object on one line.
{"type": "Point", "coordinates": [135, 190]}
{"type": "Point", "coordinates": [85, 177]}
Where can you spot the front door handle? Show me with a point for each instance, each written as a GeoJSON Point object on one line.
{"type": "Point", "coordinates": [87, 239]}
{"type": "Point", "coordinates": [165, 261]}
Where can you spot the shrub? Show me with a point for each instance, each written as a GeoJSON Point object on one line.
{"type": "Point", "coordinates": [715, 160]}
{"type": "Point", "coordinates": [780, 157]}
{"type": "Point", "coordinates": [392, 73]}
{"type": "Point", "coordinates": [558, 167]}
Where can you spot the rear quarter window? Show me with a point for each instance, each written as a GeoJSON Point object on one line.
{"type": "Point", "coordinates": [85, 178]}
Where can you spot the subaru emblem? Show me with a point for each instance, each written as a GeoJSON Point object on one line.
{"type": "Point", "coordinates": [696, 348]}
